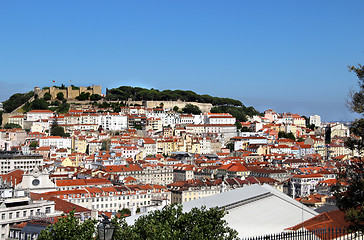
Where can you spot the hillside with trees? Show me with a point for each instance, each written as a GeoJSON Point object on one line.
{"type": "Point", "coordinates": [16, 100]}
{"type": "Point", "coordinates": [221, 105]}
{"type": "Point", "coordinates": [124, 93]}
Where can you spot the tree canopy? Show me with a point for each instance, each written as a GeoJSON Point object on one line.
{"type": "Point", "coordinates": [286, 135]}
{"type": "Point", "coordinates": [169, 223]}
{"type": "Point", "coordinates": [47, 96]}
{"type": "Point", "coordinates": [136, 93]}
{"type": "Point", "coordinates": [57, 130]}
{"type": "Point", "coordinates": [83, 96]}
{"type": "Point", "coordinates": [37, 104]}
{"type": "Point", "coordinates": [60, 96]}
{"type": "Point", "coordinates": [69, 227]}
{"type": "Point", "coordinates": [350, 198]}
{"type": "Point", "coordinates": [11, 125]}
{"type": "Point", "coordinates": [238, 112]}
{"type": "Point", "coordinates": [192, 109]}
{"type": "Point", "coordinates": [17, 100]}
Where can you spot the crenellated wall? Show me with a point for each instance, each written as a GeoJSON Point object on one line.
{"type": "Point", "coordinates": [70, 92]}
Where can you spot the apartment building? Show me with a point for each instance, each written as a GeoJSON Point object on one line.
{"type": "Point", "coordinates": [10, 161]}
{"type": "Point", "coordinates": [56, 141]}
{"type": "Point", "coordinates": [112, 199]}
{"type": "Point", "coordinates": [18, 207]}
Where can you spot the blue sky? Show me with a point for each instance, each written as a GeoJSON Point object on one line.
{"type": "Point", "coordinates": [291, 56]}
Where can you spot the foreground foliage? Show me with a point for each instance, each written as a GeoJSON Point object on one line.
{"type": "Point", "coordinates": [350, 198]}
{"type": "Point", "coordinates": [69, 227]}
{"type": "Point", "coordinates": [169, 223]}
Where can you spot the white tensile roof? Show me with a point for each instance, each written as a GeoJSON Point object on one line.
{"type": "Point", "coordinates": [256, 209]}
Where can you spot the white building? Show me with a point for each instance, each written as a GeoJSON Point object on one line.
{"type": "Point", "coordinates": [112, 199]}
{"type": "Point", "coordinates": [39, 114]}
{"type": "Point", "coordinates": [113, 121]}
{"type": "Point", "coordinates": [219, 118]}
{"type": "Point", "coordinates": [18, 207]}
{"type": "Point", "coordinates": [12, 161]}
{"type": "Point", "coordinates": [315, 120]}
{"type": "Point", "coordinates": [56, 141]}
{"type": "Point", "coordinates": [148, 146]}
{"type": "Point", "coordinates": [304, 185]}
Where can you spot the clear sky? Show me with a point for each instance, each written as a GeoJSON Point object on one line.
{"type": "Point", "coordinates": [291, 56]}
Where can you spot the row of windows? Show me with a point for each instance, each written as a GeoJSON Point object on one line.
{"type": "Point", "coordinates": [24, 213]}
{"type": "Point", "coordinates": [98, 206]}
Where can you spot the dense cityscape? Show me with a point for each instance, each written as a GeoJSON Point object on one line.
{"type": "Point", "coordinates": [76, 149]}
{"type": "Point", "coordinates": [181, 120]}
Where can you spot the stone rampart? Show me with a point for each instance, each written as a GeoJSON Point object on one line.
{"type": "Point", "coordinates": [71, 92]}
{"type": "Point", "coordinates": [205, 107]}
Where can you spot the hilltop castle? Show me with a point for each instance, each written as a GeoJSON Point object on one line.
{"type": "Point", "coordinates": [70, 92]}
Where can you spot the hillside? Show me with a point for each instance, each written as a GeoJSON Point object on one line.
{"type": "Point", "coordinates": [228, 105]}
{"type": "Point", "coordinates": [125, 93]}
{"type": "Point", "coordinates": [138, 94]}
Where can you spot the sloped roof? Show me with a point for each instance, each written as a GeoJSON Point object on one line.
{"type": "Point", "coordinates": [15, 177]}
{"type": "Point", "coordinates": [332, 219]}
{"type": "Point", "coordinates": [61, 205]}
{"type": "Point", "coordinates": [253, 210]}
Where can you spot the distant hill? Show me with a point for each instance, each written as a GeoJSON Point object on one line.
{"type": "Point", "coordinates": [232, 106]}
{"type": "Point", "coordinates": [139, 94]}
{"type": "Point", "coordinates": [220, 105]}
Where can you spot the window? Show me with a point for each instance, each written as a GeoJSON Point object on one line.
{"type": "Point", "coordinates": [48, 210]}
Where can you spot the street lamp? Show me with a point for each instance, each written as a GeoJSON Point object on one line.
{"type": "Point", "coordinates": [105, 228]}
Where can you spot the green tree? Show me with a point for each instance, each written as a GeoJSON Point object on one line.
{"type": "Point", "coordinates": [246, 129]}
{"type": "Point", "coordinates": [39, 103]}
{"type": "Point", "coordinates": [175, 108]}
{"type": "Point", "coordinates": [104, 146]}
{"type": "Point", "coordinates": [350, 198]}
{"type": "Point", "coordinates": [172, 223]}
{"type": "Point", "coordinates": [16, 100]}
{"type": "Point", "coordinates": [230, 146]}
{"type": "Point", "coordinates": [238, 125]}
{"type": "Point", "coordinates": [95, 97]}
{"type": "Point", "coordinates": [47, 96]}
{"type": "Point", "coordinates": [57, 130]}
{"type": "Point", "coordinates": [60, 96]}
{"type": "Point", "coordinates": [11, 125]}
{"type": "Point", "coordinates": [192, 109]}
{"type": "Point", "coordinates": [64, 107]}
{"type": "Point", "coordinates": [69, 227]}
{"type": "Point", "coordinates": [124, 211]}
{"type": "Point", "coordinates": [83, 96]}
{"type": "Point", "coordinates": [169, 223]}
{"type": "Point", "coordinates": [33, 144]}
{"type": "Point", "coordinates": [286, 135]}
{"type": "Point", "coordinates": [328, 135]}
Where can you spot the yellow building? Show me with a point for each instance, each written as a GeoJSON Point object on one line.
{"type": "Point", "coordinates": [67, 162]}
{"type": "Point", "coordinates": [79, 144]}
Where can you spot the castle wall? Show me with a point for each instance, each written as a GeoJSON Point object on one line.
{"type": "Point", "coordinates": [69, 93]}
{"type": "Point", "coordinates": [54, 91]}
{"type": "Point", "coordinates": [205, 107]}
